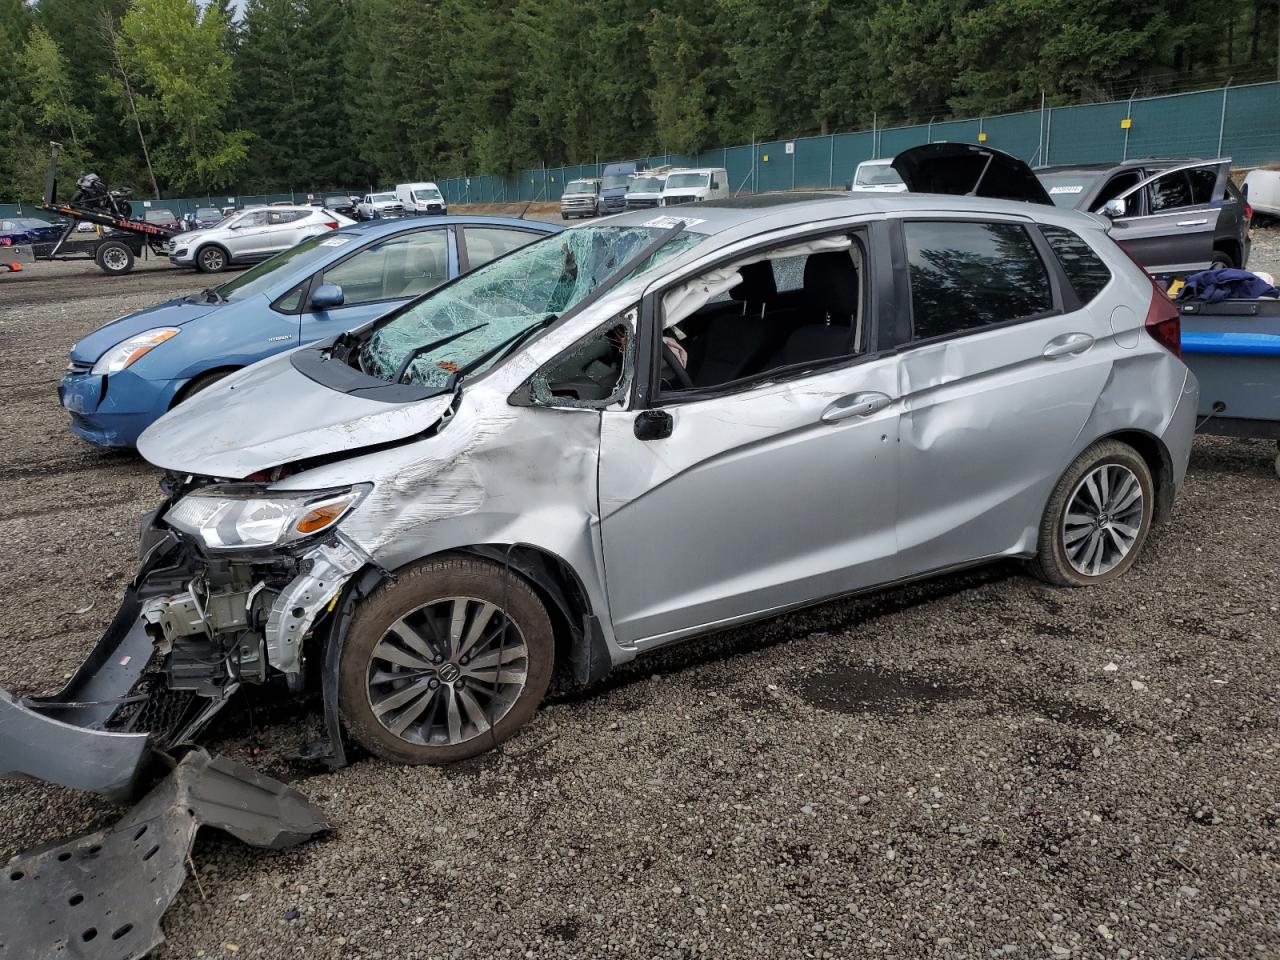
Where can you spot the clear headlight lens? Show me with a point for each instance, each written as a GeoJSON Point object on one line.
{"type": "Point", "coordinates": [123, 354]}
{"type": "Point", "coordinates": [240, 516]}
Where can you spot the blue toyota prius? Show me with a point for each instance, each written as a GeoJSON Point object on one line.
{"type": "Point", "coordinates": [129, 372]}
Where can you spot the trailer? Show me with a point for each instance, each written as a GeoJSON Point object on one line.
{"type": "Point", "coordinates": [115, 243]}
{"type": "Point", "coordinates": [1233, 348]}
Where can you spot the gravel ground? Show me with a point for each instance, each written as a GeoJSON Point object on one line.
{"type": "Point", "coordinates": [979, 766]}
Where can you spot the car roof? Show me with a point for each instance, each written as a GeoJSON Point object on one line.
{"type": "Point", "coordinates": [729, 220]}
{"type": "Point", "coordinates": [1155, 163]}
{"type": "Point", "coordinates": [374, 228]}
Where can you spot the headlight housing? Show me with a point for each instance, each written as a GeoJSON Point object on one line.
{"type": "Point", "coordinates": [133, 349]}
{"type": "Point", "coordinates": [248, 516]}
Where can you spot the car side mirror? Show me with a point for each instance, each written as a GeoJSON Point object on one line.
{"type": "Point", "coordinates": [327, 296]}
{"type": "Point", "coordinates": [653, 425]}
{"type": "Point", "coordinates": [1113, 208]}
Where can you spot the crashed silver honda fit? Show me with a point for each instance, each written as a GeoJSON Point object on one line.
{"type": "Point", "coordinates": [633, 432]}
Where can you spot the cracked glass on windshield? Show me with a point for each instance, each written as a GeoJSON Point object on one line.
{"type": "Point", "coordinates": [478, 313]}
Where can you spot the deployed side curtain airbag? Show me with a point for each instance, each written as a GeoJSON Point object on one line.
{"type": "Point", "coordinates": [687, 298]}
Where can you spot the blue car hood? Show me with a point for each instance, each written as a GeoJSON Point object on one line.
{"type": "Point", "coordinates": [173, 313]}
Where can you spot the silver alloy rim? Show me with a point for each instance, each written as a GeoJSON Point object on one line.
{"type": "Point", "coordinates": [447, 671]}
{"type": "Point", "coordinates": [115, 258]}
{"type": "Point", "coordinates": [213, 260]}
{"type": "Point", "coordinates": [1103, 519]}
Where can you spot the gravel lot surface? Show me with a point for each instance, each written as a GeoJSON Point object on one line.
{"type": "Point", "coordinates": [979, 766]}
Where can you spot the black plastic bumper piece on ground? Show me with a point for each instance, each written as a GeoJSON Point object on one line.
{"type": "Point", "coordinates": [101, 896]}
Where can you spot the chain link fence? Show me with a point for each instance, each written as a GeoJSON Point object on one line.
{"type": "Point", "coordinates": [1241, 122]}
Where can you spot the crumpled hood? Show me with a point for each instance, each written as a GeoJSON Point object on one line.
{"type": "Point", "coordinates": [268, 415]}
{"type": "Point", "coordinates": [172, 313]}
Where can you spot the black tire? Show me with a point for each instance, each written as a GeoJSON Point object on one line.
{"type": "Point", "coordinates": [1053, 563]}
{"type": "Point", "coordinates": [417, 587]}
{"type": "Point", "coordinates": [564, 216]}
{"type": "Point", "coordinates": [1221, 260]}
{"type": "Point", "coordinates": [202, 382]}
{"type": "Point", "coordinates": [114, 258]}
{"type": "Point", "coordinates": [212, 259]}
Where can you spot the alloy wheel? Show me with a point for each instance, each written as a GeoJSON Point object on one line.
{"type": "Point", "coordinates": [212, 260]}
{"type": "Point", "coordinates": [447, 671]}
{"type": "Point", "coordinates": [1103, 519]}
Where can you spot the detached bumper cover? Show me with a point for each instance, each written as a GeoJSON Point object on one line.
{"type": "Point", "coordinates": [103, 893]}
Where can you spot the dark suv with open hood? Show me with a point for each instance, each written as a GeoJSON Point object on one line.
{"type": "Point", "coordinates": [1171, 216]}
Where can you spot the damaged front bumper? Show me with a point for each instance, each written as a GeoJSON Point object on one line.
{"type": "Point", "coordinates": [190, 631]}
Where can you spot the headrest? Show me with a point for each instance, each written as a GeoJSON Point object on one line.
{"type": "Point", "coordinates": [831, 283]}
{"type": "Point", "coordinates": [758, 285]}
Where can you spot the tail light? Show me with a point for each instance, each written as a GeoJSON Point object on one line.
{"type": "Point", "coordinates": [331, 224]}
{"type": "Point", "coordinates": [1164, 319]}
{"type": "Point", "coordinates": [1248, 212]}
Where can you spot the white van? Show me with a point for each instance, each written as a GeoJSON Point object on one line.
{"type": "Point", "coordinates": [877, 176]}
{"type": "Point", "coordinates": [646, 189]}
{"type": "Point", "coordinates": [696, 185]}
{"type": "Point", "coordinates": [422, 198]}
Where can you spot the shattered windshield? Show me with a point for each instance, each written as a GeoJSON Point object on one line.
{"type": "Point", "coordinates": [502, 300]}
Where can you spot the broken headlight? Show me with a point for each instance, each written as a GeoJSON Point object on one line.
{"type": "Point", "coordinates": [240, 516]}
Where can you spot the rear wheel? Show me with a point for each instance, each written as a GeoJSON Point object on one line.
{"type": "Point", "coordinates": [445, 662]}
{"type": "Point", "coordinates": [1221, 260]}
{"type": "Point", "coordinates": [1098, 517]}
{"type": "Point", "coordinates": [114, 258]}
{"type": "Point", "coordinates": [212, 259]}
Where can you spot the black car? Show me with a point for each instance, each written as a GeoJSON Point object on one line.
{"type": "Point", "coordinates": [1173, 216]}
{"type": "Point", "coordinates": [341, 203]}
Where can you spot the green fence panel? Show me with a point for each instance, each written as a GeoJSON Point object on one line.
{"type": "Point", "coordinates": [849, 150]}
{"type": "Point", "coordinates": [893, 141]}
{"type": "Point", "coordinates": [1086, 134]}
{"type": "Point", "coordinates": [1249, 134]}
{"type": "Point", "coordinates": [737, 160]}
{"type": "Point", "coordinates": [814, 163]}
{"type": "Point", "coordinates": [1185, 125]}
{"type": "Point", "coordinates": [954, 131]}
{"type": "Point", "coordinates": [1016, 133]}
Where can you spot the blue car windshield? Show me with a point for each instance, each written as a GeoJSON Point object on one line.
{"type": "Point", "coordinates": [263, 277]}
{"type": "Point", "coordinates": [495, 303]}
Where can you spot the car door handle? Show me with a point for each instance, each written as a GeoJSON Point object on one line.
{"type": "Point", "coordinates": [1193, 223]}
{"type": "Point", "coordinates": [1067, 345]}
{"type": "Point", "coordinates": [856, 405]}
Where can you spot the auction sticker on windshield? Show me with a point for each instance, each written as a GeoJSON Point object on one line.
{"type": "Point", "coordinates": [667, 222]}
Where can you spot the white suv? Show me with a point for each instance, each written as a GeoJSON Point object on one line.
{"type": "Point", "coordinates": [250, 236]}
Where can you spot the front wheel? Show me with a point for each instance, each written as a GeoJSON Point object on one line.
{"type": "Point", "coordinates": [1098, 517]}
{"type": "Point", "coordinates": [445, 662]}
{"type": "Point", "coordinates": [211, 259]}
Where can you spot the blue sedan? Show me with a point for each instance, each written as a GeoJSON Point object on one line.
{"type": "Point", "coordinates": [131, 371]}
{"type": "Point", "coordinates": [16, 230]}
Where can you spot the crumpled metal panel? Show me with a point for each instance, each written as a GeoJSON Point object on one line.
{"type": "Point", "coordinates": [223, 432]}
{"type": "Point", "coordinates": [101, 895]}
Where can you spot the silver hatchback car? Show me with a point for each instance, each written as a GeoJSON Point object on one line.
{"type": "Point", "coordinates": [643, 430]}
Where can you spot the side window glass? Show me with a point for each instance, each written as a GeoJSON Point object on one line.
{"type": "Point", "coordinates": [966, 276]}
{"type": "Point", "coordinates": [796, 306]}
{"type": "Point", "coordinates": [595, 372]}
{"type": "Point", "coordinates": [403, 266]}
{"type": "Point", "coordinates": [1170, 192]}
{"type": "Point", "coordinates": [1203, 180]}
{"type": "Point", "coordinates": [290, 302]}
{"type": "Point", "coordinates": [1084, 269]}
{"type": "Point", "coordinates": [1118, 185]}
{"type": "Point", "coordinates": [490, 243]}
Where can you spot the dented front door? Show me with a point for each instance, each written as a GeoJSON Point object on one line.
{"type": "Point", "coordinates": [779, 494]}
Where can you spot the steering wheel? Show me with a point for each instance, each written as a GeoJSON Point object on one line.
{"type": "Point", "coordinates": [676, 367]}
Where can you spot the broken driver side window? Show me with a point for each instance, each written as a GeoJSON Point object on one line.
{"type": "Point", "coordinates": [595, 372]}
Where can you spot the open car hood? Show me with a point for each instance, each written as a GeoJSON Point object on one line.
{"type": "Point", "coordinates": [969, 170]}
{"type": "Point", "coordinates": [268, 415]}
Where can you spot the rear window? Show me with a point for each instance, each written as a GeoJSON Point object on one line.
{"type": "Point", "coordinates": [966, 276]}
{"type": "Point", "coordinates": [1086, 271]}
{"type": "Point", "coordinates": [1066, 188]}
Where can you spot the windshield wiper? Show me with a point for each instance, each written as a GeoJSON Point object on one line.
{"type": "Point", "coordinates": [498, 351]}
{"type": "Point", "coordinates": [416, 352]}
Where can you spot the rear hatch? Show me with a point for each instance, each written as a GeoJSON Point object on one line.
{"type": "Point", "coordinates": [969, 170]}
